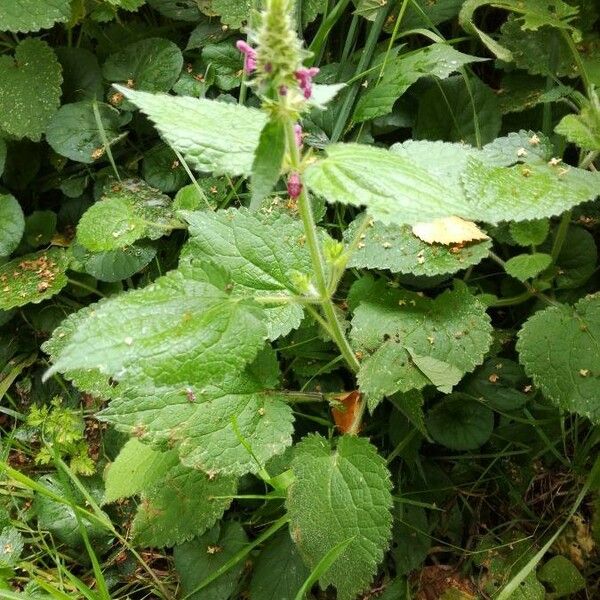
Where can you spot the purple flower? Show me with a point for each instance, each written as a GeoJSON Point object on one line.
{"type": "Point", "coordinates": [305, 76]}
{"type": "Point", "coordinates": [294, 185]}
{"type": "Point", "coordinates": [298, 134]}
{"type": "Point", "coordinates": [249, 55]}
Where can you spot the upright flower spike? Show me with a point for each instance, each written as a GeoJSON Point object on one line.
{"type": "Point", "coordinates": [249, 56]}
{"type": "Point", "coordinates": [279, 51]}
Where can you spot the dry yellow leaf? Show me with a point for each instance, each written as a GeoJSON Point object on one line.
{"type": "Point", "coordinates": [449, 230]}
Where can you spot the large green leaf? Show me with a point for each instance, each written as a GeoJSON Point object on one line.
{"type": "Point", "coordinates": [75, 131]}
{"type": "Point", "coordinates": [263, 254]}
{"type": "Point", "coordinates": [559, 348]}
{"type": "Point", "coordinates": [395, 247]}
{"type": "Point", "coordinates": [130, 210]}
{"type": "Point", "coordinates": [29, 89]}
{"type": "Point", "coordinates": [438, 60]}
{"type": "Point", "coordinates": [210, 425]}
{"type": "Point", "coordinates": [178, 328]}
{"type": "Point", "coordinates": [32, 15]}
{"type": "Point", "coordinates": [217, 137]}
{"type": "Point", "coordinates": [151, 64]}
{"type": "Point", "coordinates": [341, 494]}
{"type": "Point", "coordinates": [32, 278]}
{"type": "Point", "coordinates": [181, 505]}
{"type": "Point", "coordinates": [12, 224]}
{"type": "Point", "coordinates": [200, 558]}
{"type": "Point", "coordinates": [409, 341]}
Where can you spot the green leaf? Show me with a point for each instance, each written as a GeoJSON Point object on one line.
{"type": "Point", "coordinates": [566, 372]}
{"type": "Point", "coordinates": [525, 192]}
{"type": "Point", "coordinates": [397, 330]}
{"type": "Point", "coordinates": [32, 278]}
{"type": "Point", "coordinates": [460, 423]}
{"type": "Point", "coordinates": [129, 211]}
{"type": "Point", "coordinates": [3, 152]}
{"type": "Point", "coordinates": [200, 558]}
{"type": "Point", "coordinates": [40, 227]}
{"type": "Point", "coordinates": [437, 60]}
{"type": "Point", "coordinates": [392, 187]}
{"type": "Point", "coordinates": [582, 129]}
{"type": "Point", "coordinates": [264, 255]}
{"type": "Point", "coordinates": [340, 494]}
{"type": "Point", "coordinates": [215, 137]}
{"type": "Point", "coordinates": [29, 89]}
{"type": "Point", "coordinates": [453, 111]}
{"type": "Point", "coordinates": [396, 248]}
{"type": "Point", "coordinates": [528, 147]}
{"type": "Point", "coordinates": [161, 169]}
{"type": "Point", "coordinates": [225, 62]}
{"type": "Point", "coordinates": [577, 260]}
{"type": "Point", "coordinates": [81, 73]}
{"type": "Point", "coordinates": [114, 265]}
{"type": "Point", "coordinates": [527, 266]}
{"type": "Point", "coordinates": [234, 13]}
{"type": "Point", "coordinates": [266, 168]}
{"type": "Point", "coordinates": [530, 233]}
{"type": "Point", "coordinates": [181, 505]}
{"type": "Point", "coordinates": [212, 426]}
{"type": "Point", "coordinates": [561, 576]}
{"type": "Point", "coordinates": [32, 15]}
{"type": "Point", "coordinates": [75, 133]}
{"type": "Point", "coordinates": [182, 10]}
{"type": "Point", "coordinates": [11, 547]}
{"type": "Point", "coordinates": [12, 224]}
{"type": "Point", "coordinates": [411, 538]}
{"type": "Point", "coordinates": [535, 14]}
{"type": "Point", "coordinates": [278, 572]}
{"type": "Point", "coordinates": [424, 13]}
{"type": "Point", "coordinates": [138, 467]}
{"type": "Point", "coordinates": [151, 64]}
{"type": "Point", "coordinates": [164, 331]}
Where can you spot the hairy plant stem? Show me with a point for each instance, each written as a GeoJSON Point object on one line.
{"type": "Point", "coordinates": [318, 262]}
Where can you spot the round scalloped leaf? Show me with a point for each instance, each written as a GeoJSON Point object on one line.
{"type": "Point", "coordinates": [232, 12]}
{"type": "Point", "coordinates": [161, 169]}
{"type": "Point", "coordinates": [181, 506]}
{"type": "Point", "coordinates": [114, 265]}
{"type": "Point", "coordinates": [12, 224]}
{"type": "Point", "coordinates": [396, 248]}
{"type": "Point", "coordinates": [32, 15]}
{"type": "Point", "coordinates": [32, 278]}
{"type": "Point", "coordinates": [559, 348]}
{"type": "Point", "coordinates": [152, 64]}
{"type": "Point", "coordinates": [29, 89]}
{"type": "Point", "coordinates": [74, 131]}
{"type": "Point", "coordinates": [460, 423]}
{"type": "Point", "coordinates": [182, 10]}
{"type": "Point", "coordinates": [527, 266]}
{"type": "Point", "coordinates": [340, 494]}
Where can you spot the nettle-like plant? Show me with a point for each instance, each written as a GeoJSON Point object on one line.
{"type": "Point", "coordinates": [189, 363]}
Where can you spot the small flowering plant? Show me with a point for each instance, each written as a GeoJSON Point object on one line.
{"type": "Point", "coordinates": [189, 366]}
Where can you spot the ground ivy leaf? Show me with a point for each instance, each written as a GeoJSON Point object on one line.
{"type": "Point", "coordinates": [396, 248]}
{"type": "Point", "coordinates": [151, 64]}
{"type": "Point", "coordinates": [561, 576]}
{"type": "Point", "coordinates": [32, 278]}
{"type": "Point", "coordinates": [130, 210]}
{"type": "Point", "coordinates": [338, 494]}
{"type": "Point", "coordinates": [390, 325]}
{"type": "Point", "coordinates": [74, 132]}
{"type": "Point", "coordinates": [198, 559]}
{"type": "Point", "coordinates": [530, 233]}
{"type": "Point", "coordinates": [12, 224]}
{"type": "Point", "coordinates": [568, 372]}
{"type": "Point", "coordinates": [208, 424]}
{"type": "Point", "coordinates": [161, 169]}
{"type": "Point", "coordinates": [460, 422]}
{"type": "Point", "coordinates": [29, 89]}
{"type": "Point", "coordinates": [527, 266]}
{"type": "Point", "coordinates": [24, 16]}
{"type": "Point", "coordinates": [180, 506]}
{"type": "Point", "coordinates": [263, 254]}
{"type": "Point", "coordinates": [168, 331]}
{"type": "Point", "coordinates": [138, 467]}
{"type": "Point", "coordinates": [577, 260]}
{"type": "Point", "coordinates": [215, 137]}
{"type": "Point", "coordinates": [524, 192]}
